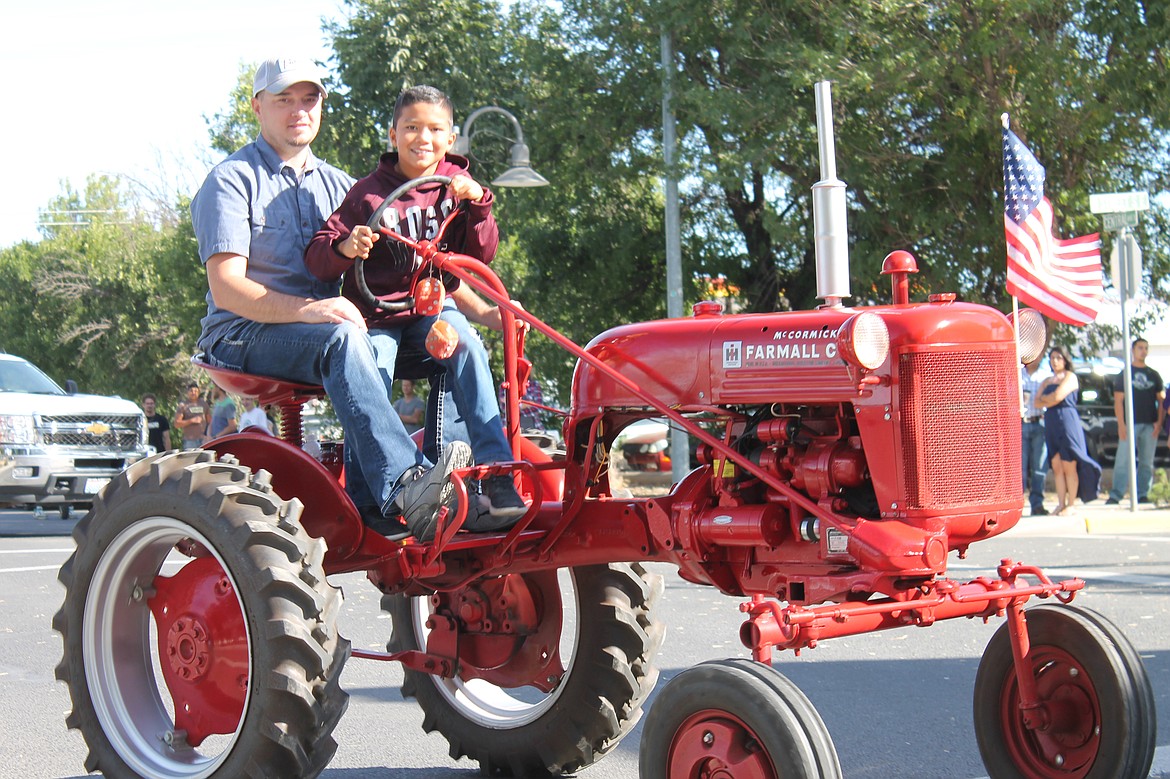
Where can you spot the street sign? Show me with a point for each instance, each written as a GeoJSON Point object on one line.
{"type": "Point", "coordinates": [1119, 219]}
{"type": "Point", "coordinates": [1115, 202]}
{"type": "Point", "coordinates": [1134, 255]}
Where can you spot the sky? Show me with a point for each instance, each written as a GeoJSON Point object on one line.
{"type": "Point", "coordinates": [123, 88]}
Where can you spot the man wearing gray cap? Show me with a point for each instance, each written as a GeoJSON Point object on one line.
{"type": "Point", "coordinates": [266, 315]}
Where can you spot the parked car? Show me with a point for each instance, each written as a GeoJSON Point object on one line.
{"type": "Point", "coordinates": [645, 446]}
{"type": "Point", "coordinates": [1095, 405]}
{"type": "Point", "coordinates": [59, 448]}
{"type": "Point", "coordinates": [549, 442]}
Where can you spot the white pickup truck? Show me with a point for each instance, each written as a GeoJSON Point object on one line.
{"type": "Point", "coordinates": [59, 449]}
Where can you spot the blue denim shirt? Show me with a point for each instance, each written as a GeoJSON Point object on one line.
{"type": "Point", "coordinates": [254, 205]}
{"type": "Point", "coordinates": [1031, 387]}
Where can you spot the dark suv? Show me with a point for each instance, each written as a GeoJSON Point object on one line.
{"type": "Point", "coordinates": [1095, 405]}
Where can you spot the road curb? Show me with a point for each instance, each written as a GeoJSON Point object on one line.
{"type": "Point", "coordinates": [1157, 521]}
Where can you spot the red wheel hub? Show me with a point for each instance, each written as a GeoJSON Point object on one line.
{"type": "Point", "coordinates": [714, 744]}
{"type": "Point", "coordinates": [203, 648]}
{"type": "Point", "coordinates": [1067, 741]}
{"type": "Point", "coordinates": [511, 630]}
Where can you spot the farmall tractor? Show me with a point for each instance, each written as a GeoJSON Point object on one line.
{"type": "Point", "coordinates": [844, 454]}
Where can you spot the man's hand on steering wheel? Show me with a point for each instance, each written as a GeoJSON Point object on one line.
{"type": "Point", "coordinates": [358, 243]}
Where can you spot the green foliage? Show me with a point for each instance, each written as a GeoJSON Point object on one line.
{"type": "Point", "coordinates": [96, 302]}
{"type": "Point", "coordinates": [1160, 489]}
{"type": "Point", "coordinates": [236, 125]}
{"type": "Point", "coordinates": [918, 90]}
{"type": "Point", "coordinates": [384, 46]}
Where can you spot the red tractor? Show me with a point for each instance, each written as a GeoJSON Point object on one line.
{"type": "Point", "coordinates": [844, 454]}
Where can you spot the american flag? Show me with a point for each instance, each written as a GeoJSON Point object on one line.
{"type": "Point", "coordinates": [1061, 279]}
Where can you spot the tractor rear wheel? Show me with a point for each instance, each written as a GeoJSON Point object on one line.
{"type": "Point", "coordinates": [735, 718]}
{"type": "Point", "coordinates": [199, 631]}
{"type": "Point", "coordinates": [1097, 717]}
{"type": "Point", "coordinates": [602, 619]}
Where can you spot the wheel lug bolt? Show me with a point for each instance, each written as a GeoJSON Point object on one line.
{"type": "Point", "coordinates": [1058, 761]}
{"type": "Point", "coordinates": [708, 738]}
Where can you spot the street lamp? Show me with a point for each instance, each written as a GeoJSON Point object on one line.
{"type": "Point", "coordinates": [520, 174]}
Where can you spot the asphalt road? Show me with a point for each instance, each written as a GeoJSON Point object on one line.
{"type": "Point", "coordinates": [897, 704]}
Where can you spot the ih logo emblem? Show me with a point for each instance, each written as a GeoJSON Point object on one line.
{"type": "Point", "coordinates": [733, 354]}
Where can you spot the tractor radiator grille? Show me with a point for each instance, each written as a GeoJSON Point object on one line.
{"type": "Point", "coordinates": [82, 431]}
{"type": "Point", "coordinates": [960, 428]}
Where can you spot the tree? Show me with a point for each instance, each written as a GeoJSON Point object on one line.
{"type": "Point", "coordinates": [582, 254]}
{"type": "Point", "coordinates": [236, 125]}
{"type": "Point", "coordinates": [114, 305]}
{"type": "Point", "coordinates": [919, 88]}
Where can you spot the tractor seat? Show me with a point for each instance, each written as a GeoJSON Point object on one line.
{"type": "Point", "coordinates": [411, 364]}
{"type": "Point", "coordinates": [266, 390]}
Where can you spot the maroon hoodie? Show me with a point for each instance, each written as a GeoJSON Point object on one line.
{"type": "Point", "coordinates": [418, 214]}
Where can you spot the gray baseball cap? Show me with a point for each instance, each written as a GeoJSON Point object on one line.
{"type": "Point", "coordinates": [277, 75]}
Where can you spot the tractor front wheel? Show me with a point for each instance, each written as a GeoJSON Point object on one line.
{"type": "Point", "coordinates": [1096, 715]}
{"type": "Point", "coordinates": [735, 718]}
{"type": "Point", "coordinates": [200, 634]}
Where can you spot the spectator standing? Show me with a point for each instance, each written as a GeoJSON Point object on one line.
{"type": "Point", "coordinates": [223, 413]}
{"type": "Point", "coordinates": [1077, 475]}
{"type": "Point", "coordinates": [1148, 393]}
{"type": "Point", "coordinates": [1032, 435]}
{"type": "Point", "coordinates": [253, 419]}
{"type": "Point", "coordinates": [191, 418]}
{"type": "Point", "coordinates": [530, 415]}
{"type": "Point", "coordinates": [158, 429]}
{"type": "Point", "coordinates": [410, 408]}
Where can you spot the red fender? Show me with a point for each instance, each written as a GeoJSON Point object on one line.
{"type": "Point", "coordinates": [328, 513]}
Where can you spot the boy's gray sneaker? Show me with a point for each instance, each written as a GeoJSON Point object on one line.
{"type": "Point", "coordinates": [425, 491]}
{"type": "Point", "coordinates": [501, 500]}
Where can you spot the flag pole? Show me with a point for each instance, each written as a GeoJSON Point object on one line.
{"type": "Point", "coordinates": [1006, 122]}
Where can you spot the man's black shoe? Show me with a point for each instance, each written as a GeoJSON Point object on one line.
{"type": "Point", "coordinates": [424, 491]}
{"type": "Point", "coordinates": [501, 499]}
{"type": "Point", "coordinates": [1039, 511]}
{"type": "Point", "coordinates": [1144, 499]}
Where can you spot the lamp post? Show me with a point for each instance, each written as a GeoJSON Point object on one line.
{"type": "Point", "coordinates": [520, 174]}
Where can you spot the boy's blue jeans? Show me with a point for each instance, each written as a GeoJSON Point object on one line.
{"type": "Point", "coordinates": [341, 358]}
{"type": "Point", "coordinates": [475, 414]}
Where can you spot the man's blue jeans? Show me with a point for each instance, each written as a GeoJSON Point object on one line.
{"type": "Point", "coordinates": [1146, 443]}
{"type": "Point", "coordinates": [341, 358]}
{"type": "Point", "coordinates": [1032, 440]}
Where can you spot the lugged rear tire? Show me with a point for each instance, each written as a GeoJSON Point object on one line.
{"type": "Point", "coordinates": [598, 701]}
{"type": "Point", "coordinates": [228, 533]}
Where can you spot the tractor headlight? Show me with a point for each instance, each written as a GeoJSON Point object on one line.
{"type": "Point", "coordinates": [1033, 333]}
{"type": "Point", "coordinates": [865, 340]}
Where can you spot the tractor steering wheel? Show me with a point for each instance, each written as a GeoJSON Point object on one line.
{"type": "Point", "coordinates": [375, 223]}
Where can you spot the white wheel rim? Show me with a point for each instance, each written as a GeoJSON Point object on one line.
{"type": "Point", "coordinates": [120, 661]}
{"type": "Point", "coordinates": [489, 705]}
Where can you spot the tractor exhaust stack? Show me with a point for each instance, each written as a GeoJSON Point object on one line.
{"type": "Point", "coordinates": [831, 234]}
